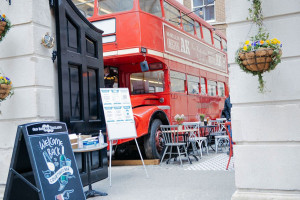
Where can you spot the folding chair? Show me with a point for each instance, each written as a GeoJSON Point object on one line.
{"type": "Point", "coordinates": [231, 143]}
{"type": "Point", "coordinates": [171, 139]}
{"type": "Point", "coordinates": [194, 137]}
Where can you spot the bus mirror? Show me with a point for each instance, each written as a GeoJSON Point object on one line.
{"type": "Point", "coordinates": [144, 66]}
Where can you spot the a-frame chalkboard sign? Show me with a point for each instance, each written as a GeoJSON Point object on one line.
{"type": "Point", "coordinates": [43, 165]}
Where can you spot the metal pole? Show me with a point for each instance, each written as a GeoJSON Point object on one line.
{"type": "Point", "coordinates": [110, 150]}
{"type": "Point", "coordinates": [137, 145]}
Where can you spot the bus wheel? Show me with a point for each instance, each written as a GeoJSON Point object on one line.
{"type": "Point", "coordinates": [153, 142]}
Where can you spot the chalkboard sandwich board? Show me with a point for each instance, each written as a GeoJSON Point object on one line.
{"type": "Point", "coordinates": [43, 165]}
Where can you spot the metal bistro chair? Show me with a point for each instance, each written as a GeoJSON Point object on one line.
{"type": "Point", "coordinates": [194, 137]}
{"type": "Point", "coordinates": [171, 139]}
{"type": "Point", "coordinates": [219, 134]}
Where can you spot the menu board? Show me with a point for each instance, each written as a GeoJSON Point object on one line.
{"type": "Point", "coordinates": [44, 164]}
{"type": "Point", "coordinates": [118, 113]}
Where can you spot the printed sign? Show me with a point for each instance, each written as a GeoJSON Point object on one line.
{"type": "Point", "coordinates": [186, 47]}
{"type": "Point", "coordinates": [118, 113]}
{"type": "Point", "coordinates": [48, 154]}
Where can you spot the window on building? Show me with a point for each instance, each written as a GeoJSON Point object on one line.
{"type": "Point", "coordinates": [177, 81]}
{"type": "Point", "coordinates": [217, 41]}
{"type": "Point", "coordinates": [147, 82]}
{"type": "Point", "coordinates": [151, 6]}
{"type": "Point", "coordinates": [193, 84]}
{"type": "Point", "coordinates": [113, 6]}
{"type": "Point", "coordinates": [203, 86]}
{"type": "Point", "coordinates": [224, 44]}
{"type": "Point", "coordinates": [212, 88]}
{"type": "Point", "coordinates": [221, 89]}
{"type": "Point", "coordinates": [205, 9]}
{"type": "Point", "coordinates": [188, 24]}
{"type": "Point", "coordinates": [86, 7]}
{"type": "Point", "coordinates": [172, 14]}
{"type": "Point", "coordinates": [198, 30]}
{"type": "Point", "coordinates": [206, 35]}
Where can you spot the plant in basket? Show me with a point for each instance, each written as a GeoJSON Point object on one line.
{"type": "Point", "coordinates": [202, 116]}
{"type": "Point", "coordinates": [5, 88]}
{"type": "Point", "coordinates": [179, 119]}
{"type": "Point", "coordinates": [5, 25]}
{"type": "Point", "coordinates": [259, 54]}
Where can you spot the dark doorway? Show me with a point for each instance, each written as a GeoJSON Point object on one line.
{"type": "Point", "coordinates": [80, 75]}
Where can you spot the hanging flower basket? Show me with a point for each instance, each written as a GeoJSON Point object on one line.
{"type": "Point", "coordinates": [5, 88]}
{"type": "Point", "coordinates": [5, 25]}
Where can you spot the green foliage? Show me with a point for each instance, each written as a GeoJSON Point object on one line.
{"type": "Point", "coordinates": [3, 18]}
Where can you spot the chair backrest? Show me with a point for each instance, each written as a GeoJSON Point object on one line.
{"type": "Point", "coordinates": [169, 133]}
{"type": "Point", "coordinates": [220, 127]}
{"type": "Point", "coordinates": [193, 128]}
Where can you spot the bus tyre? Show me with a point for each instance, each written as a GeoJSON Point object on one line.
{"type": "Point", "coordinates": [153, 142]}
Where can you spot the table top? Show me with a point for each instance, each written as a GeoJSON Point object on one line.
{"type": "Point", "coordinates": [94, 148]}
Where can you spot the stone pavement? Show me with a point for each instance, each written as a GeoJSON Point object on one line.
{"type": "Point", "coordinates": [206, 179]}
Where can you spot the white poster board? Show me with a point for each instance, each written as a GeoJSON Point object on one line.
{"type": "Point", "coordinates": [118, 113]}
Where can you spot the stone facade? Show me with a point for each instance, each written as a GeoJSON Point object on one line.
{"type": "Point", "coordinates": [28, 64]}
{"type": "Point", "coordinates": [265, 126]}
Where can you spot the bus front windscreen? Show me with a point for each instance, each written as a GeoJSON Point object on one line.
{"type": "Point", "coordinates": [147, 82]}
{"type": "Point", "coordinates": [112, 6]}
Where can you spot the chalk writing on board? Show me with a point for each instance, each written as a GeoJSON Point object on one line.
{"type": "Point", "coordinates": [59, 169]}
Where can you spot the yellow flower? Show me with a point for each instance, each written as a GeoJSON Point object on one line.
{"type": "Point", "coordinates": [262, 42]}
{"type": "Point", "coordinates": [268, 41]}
{"type": "Point", "coordinates": [247, 42]}
{"type": "Point", "coordinates": [245, 48]}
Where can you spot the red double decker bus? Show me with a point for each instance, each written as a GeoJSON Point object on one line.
{"type": "Point", "coordinates": [186, 58]}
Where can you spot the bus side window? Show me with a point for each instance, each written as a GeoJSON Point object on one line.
{"type": "Point", "coordinates": [151, 6]}
{"type": "Point", "coordinates": [188, 24]}
{"type": "Point", "coordinates": [224, 44]}
{"type": "Point", "coordinates": [206, 35]}
{"type": "Point", "coordinates": [193, 84]}
{"type": "Point", "coordinates": [177, 81]}
{"type": "Point", "coordinates": [221, 89]}
{"type": "Point", "coordinates": [198, 30]}
{"type": "Point", "coordinates": [212, 88]}
{"type": "Point", "coordinates": [203, 86]}
{"type": "Point", "coordinates": [217, 41]}
{"type": "Point", "coordinates": [172, 14]}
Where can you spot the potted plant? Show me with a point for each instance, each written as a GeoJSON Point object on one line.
{"type": "Point", "coordinates": [259, 54]}
{"type": "Point", "coordinates": [5, 25]}
{"type": "Point", "coordinates": [5, 88]}
{"type": "Point", "coordinates": [202, 117]}
{"type": "Point", "coordinates": [179, 119]}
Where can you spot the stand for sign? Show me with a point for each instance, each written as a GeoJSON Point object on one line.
{"type": "Point", "coordinates": [110, 152]}
{"type": "Point", "coordinates": [119, 118]}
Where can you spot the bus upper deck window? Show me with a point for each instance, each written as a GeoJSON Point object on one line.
{"type": "Point", "coordinates": [151, 6]}
{"type": "Point", "coordinates": [113, 6]}
{"type": "Point", "coordinates": [217, 41]}
{"type": "Point", "coordinates": [86, 7]}
{"type": "Point", "coordinates": [224, 44]}
{"type": "Point", "coordinates": [198, 30]}
{"type": "Point", "coordinates": [206, 35]}
{"type": "Point", "coordinates": [188, 24]}
{"type": "Point", "coordinates": [172, 14]}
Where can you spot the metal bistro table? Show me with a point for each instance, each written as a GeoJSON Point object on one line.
{"type": "Point", "coordinates": [209, 128]}
{"type": "Point", "coordinates": [87, 153]}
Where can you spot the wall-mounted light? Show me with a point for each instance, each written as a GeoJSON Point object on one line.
{"type": "Point", "coordinates": [48, 41]}
{"type": "Point", "coordinates": [143, 50]}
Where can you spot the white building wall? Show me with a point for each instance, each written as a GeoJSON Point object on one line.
{"type": "Point", "coordinates": [28, 64]}
{"type": "Point", "coordinates": [266, 126]}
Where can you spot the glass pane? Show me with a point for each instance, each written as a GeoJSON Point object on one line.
{"type": "Point", "coordinates": [188, 24]}
{"type": "Point", "coordinates": [209, 13]}
{"type": "Point", "coordinates": [198, 30]}
{"type": "Point", "coordinates": [193, 84]}
{"type": "Point", "coordinates": [92, 88]}
{"type": "Point", "coordinates": [217, 40]}
{"type": "Point", "coordinates": [172, 14]}
{"type": "Point", "coordinates": [212, 88]}
{"type": "Point", "coordinates": [199, 11]}
{"type": "Point", "coordinates": [193, 78]}
{"type": "Point", "coordinates": [147, 82]}
{"type": "Point", "coordinates": [177, 85]}
{"type": "Point", "coordinates": [203, 86]}
{"type": "Point", "coordinates": [177, 75]}
{"type": "Point", "coordinates": [86, 7]}
{"type": "Point", "coordinates": [113, 6]}
{"type": "Point", "coordinates": [221, 89]}
{"type": "Point", "coordinates": [75, 95]}
{"type": "Point", "coordinates": [224, 43]}
{"type": "Point", "coordinates": [197, 3]}
{"type": "Point", "coordinates": [206, 35]}
{"type": "Point", "coordinates": [151, 6]}
{"type": "Point", "coordinates": [209, 2]}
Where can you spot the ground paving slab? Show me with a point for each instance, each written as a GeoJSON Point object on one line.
{"type": "Point", "coordinates": [206, 179]}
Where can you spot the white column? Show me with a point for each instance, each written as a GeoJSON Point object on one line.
{"type": "Point", "coordinates": [28, 64]}
{"type": "Point", "coordinates": [266, 126]}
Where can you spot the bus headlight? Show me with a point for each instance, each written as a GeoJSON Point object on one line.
{"type": "Point", "coordinates": [161, 100]}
